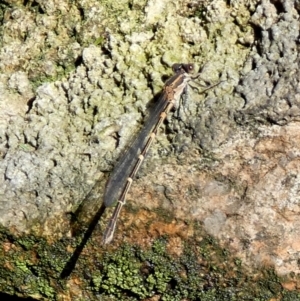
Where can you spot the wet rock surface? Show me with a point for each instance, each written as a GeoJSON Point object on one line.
{"type": "Point", "coordinates": [227, 158]}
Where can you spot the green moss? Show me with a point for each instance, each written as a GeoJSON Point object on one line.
{"type": "Point", "coordinates": [138, 274]}
{"type": "Point", "coordinates": [203, 271]}
{"type": "Point", "coordinates": [22, 266]}
{"type": "Point", "coordinates": [45, 289]}
{"type": "Point", "coordinates": [29, 265]}
{"type": "Point", "coordinates": [290, 296]}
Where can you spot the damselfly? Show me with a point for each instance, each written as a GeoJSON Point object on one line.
{"type": "Point", "coordinates": [122, 176]}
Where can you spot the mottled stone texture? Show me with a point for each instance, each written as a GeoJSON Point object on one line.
{"type": "Point", "coordinates": [228, 158]}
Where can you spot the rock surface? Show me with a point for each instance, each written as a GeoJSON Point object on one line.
{"type": "Point", "coordinates": [228, 158]}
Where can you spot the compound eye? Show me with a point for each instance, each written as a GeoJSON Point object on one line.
{"type": "Point", "coordinates": [177, 68]}
{"type": "Point", "coordinates": [190, 68]}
